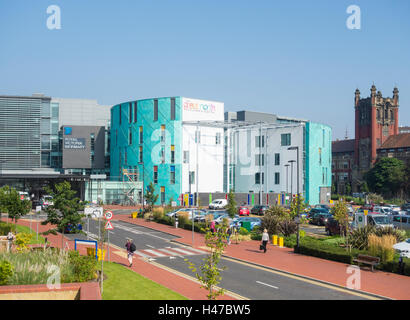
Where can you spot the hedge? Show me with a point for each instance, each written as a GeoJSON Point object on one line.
{"type": "Point", "coordinates": [393, 266]}
{"type": "Point", "coordinates": [5, 228]}
{"type": "Point", "coordinates": [329, 253]}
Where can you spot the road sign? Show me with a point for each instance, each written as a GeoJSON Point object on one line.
{"type": "Point", "coordinates": [108, 215]}
{"type": "Point", "coordinates": [109, 226]}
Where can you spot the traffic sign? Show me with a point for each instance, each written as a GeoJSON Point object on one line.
{"type": "Point", "coordinates": [109, 226]}
{"type": "Point", "coordinates": [108, 215]}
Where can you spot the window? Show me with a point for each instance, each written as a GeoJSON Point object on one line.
{"type": "Point", "coordinates": [172, 174]}
{"type": "Point", "coordinates": [320, 156]}
{"type": "Point", "coordinates": [186, 156]}
{"type": "Point", "coordinates": [140, 154]}
{"type": "Point", "coordinates": [172, 108]}
{"type": "Point", "coordinates": [162, 133]}
{"type": "Point", "coordinates": [323, 137]}
{"type": "Point", "coordinates": [218, 138]}
{"type": "Point", "coordinates": [120, 114]}
{"type": "Point", "coordinates": [162, 154]}
{"type": "Point", "coordinates": [130, 112]}
{"type": "Point", "coordinates": [257, 178]}
{"type": "Point", "coordinates": [191, 177]}
{"type": "Point", "coordinates": [277, 178]}
{"type": "Point", "coordinates": [378, 114]}
{"type": "Point", "coordinates": [197, 136]}
{"type": "Point", "coordinates": [155, 174]}
{"type": "Point", "coordinates": [285, 139]}
{"type": "Point", "coordinates": [116, 137]}
{"type": "Point", "coordinates": [126, 156]}
{"type": "Point", "coordinates": [141, 135]}
{"type": "Point", "coordinates": [259, 141]}
{"type": "Point", "coordinates": [277, 159]}
{"type": "Point", "coordinates": [135, 111]}
{"type": "Point", "coordinates": [259, 159]}
{"type": "Point", "coordinates": [162, 195]}
{"type": "Point", "coordinates": [172, 154]}
{"type": "Point", "coordinates": [386, 114]}
{"type": "Point", "coordinates": [130, 136]}
{"type": "Point", "coordinates": [155, 110]}
{"type": "Point", "coordinates": [391, 115]}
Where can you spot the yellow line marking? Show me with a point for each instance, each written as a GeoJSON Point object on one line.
{"type": "Point", "coordinates": [315, 282]}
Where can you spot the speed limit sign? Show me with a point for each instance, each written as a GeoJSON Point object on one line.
{"type": "Point", "coordinates": [108, 215]}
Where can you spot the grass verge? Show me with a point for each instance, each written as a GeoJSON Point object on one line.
{"type": "Point", "coordinates": [125, 284]}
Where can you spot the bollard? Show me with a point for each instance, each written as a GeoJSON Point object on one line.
{"type": "Point", "coordinates": [275, 240]}
{"type": "Point", "coordinates": [281, 242]}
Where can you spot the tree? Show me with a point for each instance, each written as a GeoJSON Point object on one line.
{"type": "Point", "coordinates": [11, 203]}
{"type": "Point", "coordinates": [150, 196]}
{"type": "Point", "coordinates": [231, 207]}
{"type": "Point", "coordinates": [297, 201]}
{"type": "Point", "coordinates": [210, 275]}
{"type": "Point", "coordinates": [387, 177]}
{"type": "Point", "coordinates": [341, 214]}
{"type": "Point", "coordinates": [364, 187]}
{"type": "Point", "coordinates": [65, 209]}
{"type": "Point", "coordinates": [348, 189]}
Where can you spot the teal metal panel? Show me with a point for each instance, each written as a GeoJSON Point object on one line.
{"type": "Point", "coordinates": [151, 145]}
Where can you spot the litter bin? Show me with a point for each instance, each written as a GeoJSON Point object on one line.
{"type": "Point", "coordinates": [91, 252]}
{"type": "Point", "coordinates": [246, 225]}
{"type": "Point", "coordinates": [135, 215]}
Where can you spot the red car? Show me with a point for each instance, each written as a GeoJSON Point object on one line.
{"type": "Point", "coordinates": [244, 211]}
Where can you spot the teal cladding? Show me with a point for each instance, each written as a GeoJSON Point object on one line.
{"type": "Point", "coordinates": [318, 160]}
{"type": "Point", "coordinates": [151, 143]}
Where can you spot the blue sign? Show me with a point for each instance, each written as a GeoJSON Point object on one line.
{"type": "Point", "coordinates": [191, 199]}
{"type": "Point", "coordinates": [68, 131]}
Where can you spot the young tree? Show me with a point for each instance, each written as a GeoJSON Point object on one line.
{"type": "Point", "coordinates": [11, 203]}
{"type": "Point", "coordinates": [341, 214]}
{"type": "Point", "coordinates": [65, 210]}
{"type": "Point", "coordinates": [150, 196]}
{"type": "Point", "coordinates": [294, 210]}
{"type": "Point", "coordinates": [210, 275]}
{"type": "Point", "coordinates": [231, 207]}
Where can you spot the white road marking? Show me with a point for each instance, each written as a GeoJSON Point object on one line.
{"type": "Point", "coordinates": [183, 251]}
{"type": "Point", "coordinates": [141, 254]}
{"type": "Point", "coordinates": [155, 253]}
{"type": "Point", "coordinates": [196, 250]}
{"type": "Point", "coordinates": [170, 252]}
{"type": "Point", "coordinates": [150, 246]}
{"type": "Point", "coordinates": [265, 284]}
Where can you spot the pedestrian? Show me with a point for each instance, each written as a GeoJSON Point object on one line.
{"type": "Point", "coordinates": [10, 238]}
{"type": "Point", "coordinates": [228, 233]}
{"type": "Point", "coordinates": [213, 226]}
{"type": "Point", "coordinates": [130, 250]}
{"type": "Point", "coordinates": [265, 239]}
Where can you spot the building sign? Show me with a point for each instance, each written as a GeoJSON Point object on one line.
{"type": "Point", "coordinates": [74, 143]}
{"type": "Point", "coordinates": [206, 107]}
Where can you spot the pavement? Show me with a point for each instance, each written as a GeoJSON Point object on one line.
{"type": "Point", "coordinates": [277, 259]}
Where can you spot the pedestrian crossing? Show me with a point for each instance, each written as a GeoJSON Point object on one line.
{"type": "Point", "coordinates": [168, 252]}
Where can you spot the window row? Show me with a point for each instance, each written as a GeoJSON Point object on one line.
{"type": "Point", "coordinates": [133, 111]}
{"type": "Point", "coordinates": [258, 179]}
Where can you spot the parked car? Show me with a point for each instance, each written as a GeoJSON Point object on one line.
{"type": "Point", "coordinates": [320, 218]}
{"type": "Point", "coordinates": [393, 208]}
{"type": "Point", "coordinates": [401, 221]}
{"type": "Point", "coordinates": [332, 227]}
{"type": "Point", "coordinates": [46, 201]}
{"type": "Point", "coordinates": [382, 210]}
{"type": "Point", "coordinates": [323, 206]}
{"type": "Point", "coordinates": [315, 211]}
{"type": "Point", "coordinates": [259, 210]}
{"type": "Point", "coordinates": [24, 195]}
{"type": "Point", "coordinates": [175, 212]}
{"type": "Point", "coordinates": [218, 204]}
{"type": "Point", "coordinates": [218, 218]}
{"type": "Point", "coordinates": [243, 211]}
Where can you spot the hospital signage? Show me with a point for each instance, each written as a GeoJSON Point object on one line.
{"type": "Point", "coordinates": [205, 107]}
{"type": "Point", "coordinates": [74, 143]}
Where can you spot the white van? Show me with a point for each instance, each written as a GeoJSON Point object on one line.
{"type": "Point", "coordinates": [402, 221]}
{"type": "Point", "coordinates": [373, 219]}
{"type": "Point", "coordinates": [218, 204]}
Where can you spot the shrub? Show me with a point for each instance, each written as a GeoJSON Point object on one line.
{"type": "Point", "coordinates": [324, 251]}
{"type": "Point", "coordinates": [287, 227]}
{"type": "Point", "coordinates": [359, 237]}
{"type": "Point", "coordinates": [5, 228]}
{"type": "Point", "coordinates": [183, 220]}
{"type": "Point", "coordinates": [243, 231]}
{"type": "Point", "coordinates": [22, 240]}
{"type": "Point", "coordinates": [256, 236]}
{"type": "Point", "coordinates": [382, 247]}
{"type": "Point", "coordinates": [83, 267]}
{"type": "Point", "coordinates": [6, 271]}
{"type": "Point", "coordinates": [399, 235]}
{"type": "Point", "coordinates": [290, 242]}
{"type": "Point", "coordinates": [158, 214]}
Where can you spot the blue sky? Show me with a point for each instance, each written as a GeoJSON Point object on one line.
{"type": "Point", "coordinates": [293, 58]}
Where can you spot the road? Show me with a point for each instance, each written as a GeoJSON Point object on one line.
{"type": "Point", "coordinates": [243, 279]}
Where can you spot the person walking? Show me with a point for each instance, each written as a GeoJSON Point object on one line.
{"type": "Point", "coordinates": [130, 250]}
{"type": "Point", "coordinates": [265, 239]}
{"type": "Point", "coordinates": [228, 235]}
{"type": "Point", "coordinates": [213, 226]}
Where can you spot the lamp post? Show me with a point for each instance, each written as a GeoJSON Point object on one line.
{"type": "Point", "coordinates": [298, 193]}
{"type": "Point", "coordinates": [287, 176]}
{"type": "Point", "coordinates": [291, 178]}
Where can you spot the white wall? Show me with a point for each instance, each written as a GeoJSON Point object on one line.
{"type": "Point", "coordinates": [210, 155]}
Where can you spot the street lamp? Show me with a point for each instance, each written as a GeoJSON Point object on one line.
{"type": "Point", "coordinates": [287, 176]}
{"type": "Point", "coordinates": [291, 178]}
{"type": "Point", "coordinates": [298, 193]}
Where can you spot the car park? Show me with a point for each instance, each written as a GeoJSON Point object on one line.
{"type": "Point", "coordinates": [254, 221]}
{"type": "Point", "coordinates": [218, 204]}
{"type": "Point", "coordinates": [401, 221]}
{"type": "Point", "coordinates": [243, 211]}
{"type": "Point", "coordinates": [320, 218]}
{"type": "Point", "coordinates": [259, 210]}
{"type": "Point", "coordinates": [315, 211]}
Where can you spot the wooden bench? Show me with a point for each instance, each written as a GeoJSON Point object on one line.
{"type": "Point", "coordinates": [372, 261]}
